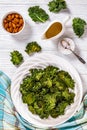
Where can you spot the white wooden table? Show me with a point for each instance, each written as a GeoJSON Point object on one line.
{"type": "Point", "coordinates": [33, 32]}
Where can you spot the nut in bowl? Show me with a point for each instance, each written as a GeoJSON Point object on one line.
{"type": "Point", "coordinates": [13, 23]}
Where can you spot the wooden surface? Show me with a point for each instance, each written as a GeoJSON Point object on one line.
{"type": "Point", "coordinates": [33, 32]}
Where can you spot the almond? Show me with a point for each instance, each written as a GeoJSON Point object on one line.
{"type": "Point", "coordinates": [14, 26]}
{"type": "Point", "coordinates": [21, 21]}
{"type": "Point", "coordinates": [20, 28]}
{"type": "Point", "coordinates": [10, 24]}
{"type": "Point", "coordinates": [13, 16]}
{"type": "Point", "coordinates": [8, 29]}
{"type": "Point", "coordinates": [6, 25]}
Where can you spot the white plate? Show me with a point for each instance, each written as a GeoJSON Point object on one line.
{"type": "Point", "coordinates": [41, 61]}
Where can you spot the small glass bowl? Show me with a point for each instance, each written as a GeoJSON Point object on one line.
{"type": "Point", "coordinates": [62, 49]}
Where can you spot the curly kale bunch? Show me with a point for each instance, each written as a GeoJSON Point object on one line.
{"type": "Point", "coordinates": [78, 26]}
{"type": "Point", "coordinates": [47, 91]}
{"type": "Point", "coordinates": [37, 14]}
{"type": "Point", "coordinates": [32, 47]}
{"type": "Point", "coordinates": [16, 57]}
{"type": "Point", "coordinates": [57, 5]}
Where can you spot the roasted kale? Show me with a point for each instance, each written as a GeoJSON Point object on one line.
{"type": "Point", "coordinates": [47, 91]}
{"type": "Point", "coordinates": [57, 5]}
{"type": "Point", "coordinates": [16, 57]}
{"type": "Point", "coordinates": [37, 14]}
{"type": "Point", "coordinates": [78, 26]}
{"type": "Point", "coordinates": [32, 47]}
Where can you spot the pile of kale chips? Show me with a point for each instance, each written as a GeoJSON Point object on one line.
{"type": "Point", "coordinates": [47, 91]}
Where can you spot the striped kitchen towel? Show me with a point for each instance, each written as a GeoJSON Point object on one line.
{"type": "Point", "coordinates": [11, 120]}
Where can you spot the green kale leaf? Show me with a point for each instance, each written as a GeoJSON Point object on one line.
{"type": "Point", "coordinates": [66, 78]}
{"type": "Point", "coordinates": [37, 14]}
{"type": "Point", "coordinates": [57, 5]}
{"type": "Point", "coordinates": [16, 57]}
{"type": "Point", "coordinates": [32, 47]}
{"type": "Point", "coordinates": [78, 26]}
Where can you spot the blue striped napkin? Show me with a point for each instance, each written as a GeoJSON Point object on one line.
{"type": "Point", "coordinates": [11, 120]}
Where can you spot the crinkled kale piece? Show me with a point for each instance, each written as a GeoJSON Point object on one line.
{"type": "Point", "coordinates": [57, 5]}
{"type": "Point", "coordinates": [37, 14]}
{"type": "Point", "coordinates": [16, 57]}
{"type": "Point", "coordinates": [78, 26]}
{"type": "Point", "coordinates": [32, 47]}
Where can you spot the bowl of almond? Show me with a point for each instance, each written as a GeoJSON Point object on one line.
{"type": "Point", "coordinates": [13, 23]}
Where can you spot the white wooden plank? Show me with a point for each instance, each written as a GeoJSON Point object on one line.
{"type": "Point", "coordinates": [72, 9]}
{"type": "Point", "coordinates": [8, 41]}
{"type": "Point", "coordinates": [82, 69]}
{"type": "Point", "coordinates": [41, 1]}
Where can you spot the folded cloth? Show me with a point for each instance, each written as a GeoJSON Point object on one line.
{"type": "Point", "coordinates": [11, 120]}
